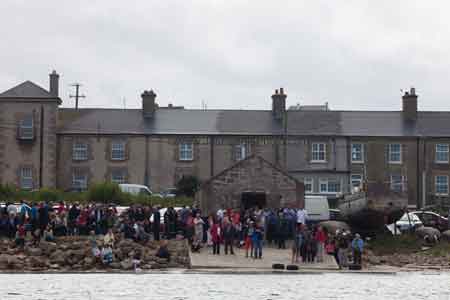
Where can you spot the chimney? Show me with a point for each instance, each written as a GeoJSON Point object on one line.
{"type": "Point", "coordinates": [148, 103]}
{"type": "Point", "coordinates": [409, 101]}
{"type": "Point", "coordinates": [54, 84]}
{"type": "Point", "coordinates": [279, 104]}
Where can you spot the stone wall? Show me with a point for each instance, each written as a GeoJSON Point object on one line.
{"type": "Point", "coordinates": [253, 174]}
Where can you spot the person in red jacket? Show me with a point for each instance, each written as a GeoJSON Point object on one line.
{"type": "Point", "coordinates": [320, 237]}
{"type": "Point", "coordinates": [216, 236]}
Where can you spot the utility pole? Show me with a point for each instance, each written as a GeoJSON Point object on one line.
{"type": "Point", "coordinates": [77, 94]}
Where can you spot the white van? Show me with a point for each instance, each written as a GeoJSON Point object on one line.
{"type": "Point", "coordinates": [317, 208]}
{"type": "Point", "coordinates": [135, 189]}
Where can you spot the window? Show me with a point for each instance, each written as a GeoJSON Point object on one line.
{"type": "Point", "coordinates": [26, 130]}
{"type": "Point", "coordinates": [397, 183]}
{"type": "Point", "coordinates": [118, 176]}
{"type": "Point", "coordinates": [79, 181]}
{"type": "Point", "coordinates": [395, 153]}
{"type": "Point", "coordinates": [442, 153]}
{"type": "Point", "coordinates": [26, 178]}
{"type": "Point", "coordinates": [441, 184]}
{"type": "Point", "coordinates": [309, 184]}
{"type": "Point", "coordinates": [80, 151]}
{"type": "Point", "coordinates": [318, 152]}
{"type": "Point", "coordinates": [329, 186]}
{"type": "Point", "coordinates": [356, 180]}
{"type": "Point", "coordinates": [186, 151]}
{"type": "Point", "coordinates": [117, 151]}
{"type": "Point", "coordinates": [357, 153]}
{"type": "Point", "coordinates": [241, 151]}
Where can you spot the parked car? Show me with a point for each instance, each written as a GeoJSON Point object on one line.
{"type": "Point", "coordinates": [335, 214]}
{"type": "Point", "coordinates": [432, 219]}
{"type": "Point", "coordinates": [169, 193]}
{"type": "Point", "coordinates": [404, 223]}
{"type": "Point", "coordinates": [135, 189]}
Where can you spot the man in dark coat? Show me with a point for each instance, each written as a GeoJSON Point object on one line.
{"type": "Point", "coordinates": [228, 235]}
{"type": "Point", "coordinates": [156, 223]}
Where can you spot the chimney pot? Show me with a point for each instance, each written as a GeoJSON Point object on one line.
{"type": "Point", "coordinates": [54, 84]}
{"type": "Point", "coordinates": [148, 103]}
{"type": "Point", "coordinates": [279, 104]}
{"type": "Point", "coordinates": [409, 103]}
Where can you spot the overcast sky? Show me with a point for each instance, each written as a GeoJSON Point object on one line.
{"type": "Point", "coordinates": [354, 54]}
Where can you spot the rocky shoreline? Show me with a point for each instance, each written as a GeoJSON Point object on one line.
{"type": "Point", "coordinates": [74, 254]}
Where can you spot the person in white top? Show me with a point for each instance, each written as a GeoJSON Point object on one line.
{"type": "Point", "coordinates": [302, 216]}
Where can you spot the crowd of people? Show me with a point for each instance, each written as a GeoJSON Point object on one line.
{"type": "Point", "coordinates": [249, 229]}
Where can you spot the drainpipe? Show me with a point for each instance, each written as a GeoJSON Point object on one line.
{"type": "Point", "coordinates": [418, 174]}
{"type": "Point", "coordinates": [146, 172]}
{"type": "Point", "coordinates": [41, 148]}
{"type": "Point", "coordinates": [211, 149]}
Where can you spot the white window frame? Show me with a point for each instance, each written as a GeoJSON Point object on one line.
{"type": "Point", "coordinates": [361, 152]}
{"type": "Point", "coordinates": [317, 152]}
{"type": "Point", "coordinates": [440, 151]}
{"type": "Point", "coordinates": [309, 181]}
{"type": "Point", "coordinates": [26, 131]}
{"type": "Point", "coordinates": [79, 181]}
{"type": "Point", "coordinates": [79, 151]}
{"type": "Point", "coordinates": [393, 184]}
{"type": "Point", "coordinates": [390, 153]}
{"type": "Point", "coordinates": [324, 181]}
{"type": "Point", "coordinates": [26, 178]}
{"type": "Point", "coordinates": [186, 151]}
{"type": "Point", "coordinates": [117, 150]}
{"type": "Point", "coordinates": [241, 151]}
{"type": "Point", "coordinates": [353, 180]}
{"type": "Point", "coordinates": [436, 184]}
{"type": "Point", "coordinates": [114, 177]}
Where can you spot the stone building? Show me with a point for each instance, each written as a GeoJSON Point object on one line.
{"type": "Point", "coordinates": [43, 144]}
{"type": "Point", "coordinates": [250, 182]}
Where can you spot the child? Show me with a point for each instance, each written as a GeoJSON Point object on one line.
{"type": "Point", "coordinates": [298, 241]}
{"type": "Point", "coordinates": [248, 232]}
{"type": "Point", "coordinates": [20, 236]}
{"type": "Point", "coordinates": [48, 234]}
{"type": "Point", "coordinates": [107, 255]}
{"type": "Point", "coordinates": [257, 237]}
{"type": "Point", "coordinates": [216, 237]}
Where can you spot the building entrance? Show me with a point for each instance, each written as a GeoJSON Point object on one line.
{"type": "Point", "coordinates": [252, 199]}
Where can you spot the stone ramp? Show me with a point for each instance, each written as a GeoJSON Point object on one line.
{"type": "Point", "coordinates": [206, 260]}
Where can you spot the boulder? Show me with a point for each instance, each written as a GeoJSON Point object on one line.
{"type": "Point", "coordinates": [89, 261]}
{"type": "Point", "coordinates": [58, 257]}
{"type": "Point", "coordinates": [332, 226]}
{"type": "Point", "coordinates": [430, 233]}
{"type": "Point", "coordinates": [446, 235]}
{"type": "Point", "coordinates": [48, 247]}
{"type": "Point", "coordinates": [37, 262]}
{"type": "Point", "coordinates": [33, 251]}
{"type": "Point", "coordinates": [126, 264]}
{"type": "Point", "coordinates": [115, 265]}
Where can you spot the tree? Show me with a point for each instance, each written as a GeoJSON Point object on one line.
{"type": "Point", "coordinates": [187, 186]}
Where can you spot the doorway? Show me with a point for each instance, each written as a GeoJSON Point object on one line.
{"type": "Point", "coordinates": [252, 199]}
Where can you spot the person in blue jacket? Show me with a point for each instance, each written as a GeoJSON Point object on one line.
{"type": "Point", "coordinates": [357, 248]}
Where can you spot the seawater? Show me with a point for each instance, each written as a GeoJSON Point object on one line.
{"type": "Point", "coordinates": [402, 286]}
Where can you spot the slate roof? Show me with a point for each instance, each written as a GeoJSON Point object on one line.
{"type": "Point", "coordinates": [252, 122]}
{"type": "Point", "coordinates": [26, 90]}
{"type": "Point", "coordinates": [236, 122]}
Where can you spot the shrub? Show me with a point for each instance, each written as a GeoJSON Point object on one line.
{"type": "Point", "coordinates": [47, 195]}
{"type": "Point", "coordinates": [187, 186]}
{"type": "Point", "coordinates": [105, 192]}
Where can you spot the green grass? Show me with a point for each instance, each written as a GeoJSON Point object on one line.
{"type": "Point", "coordinates": [388, 244]}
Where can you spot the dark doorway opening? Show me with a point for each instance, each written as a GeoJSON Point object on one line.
{"type": "Point", "coordinates": [252, 199]}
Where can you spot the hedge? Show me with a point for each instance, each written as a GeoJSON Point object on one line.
{"type": "Point", "coordinates": [98, 193]}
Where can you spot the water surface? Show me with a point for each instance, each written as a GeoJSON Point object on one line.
{"type": "Point", "coordinates": [218, 286]}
